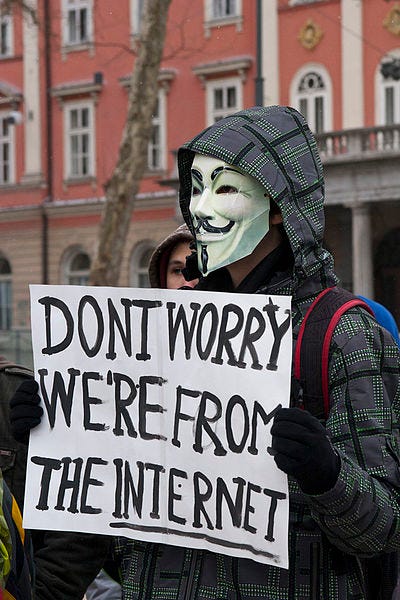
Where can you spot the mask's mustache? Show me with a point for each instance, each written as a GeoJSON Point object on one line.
{"type": "Point", "coordinates": [204, 224]}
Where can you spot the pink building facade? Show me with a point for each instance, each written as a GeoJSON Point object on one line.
{"type": "Point", "coordinates": [64, 84]}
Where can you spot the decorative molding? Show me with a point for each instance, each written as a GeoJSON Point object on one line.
{"type": "Point", "coordinates": [222, 21]}
{"type": "Point", "coordinates": [66, 91]}
{"type": "Point", "coordinates": [392, 20]}
{"type": "Point", "coordinates": [310, 35]}
{"type": "Point", "coordinates": [238, 65]}
{"type": "Point", "coordinates": [10, 95]}
{"type": "Point", "coordinates": [81, 180]}
{"type": "Point", "coordinates": [88, 47]}
{"type": "Point", "coordinates": [33, 180]}
{"type": "Point", "coordinates": [165, 77]}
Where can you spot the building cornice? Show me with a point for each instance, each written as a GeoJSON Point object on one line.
{"type": "Point", "coordinates": [238, 65]}
{"type": "Point", "coordinates": [165, 77]}
{"type": "Point", "coordinates": [73, 89]}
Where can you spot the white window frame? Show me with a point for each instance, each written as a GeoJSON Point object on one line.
{"type": "Point", "coordinates": [224, 84]}
{"type": "Point", "coordinates": [10, 140]}
{"type": "Point", "coordinates": [77, 5]}
{"type": "Point", "coordinates": [7, 21]}
{"type": "Point", "coordinates": [89, 130]}
{"type": "Point", "coordinates": [136, 271]}
{"type": "Point", "coordinates": [67, 273]}
{"type": "Point", "coordinates": [325, 94]}
{"type": "Point", "coordinates": [211, 20]}
{"type": "Point", "coordinates": [221, 6]}
{"type": "Point", "coordinates": [136, 7]}
{"type": "Point", "coordinates": [159, 121]}
{"type": "Point", "coordinates": [381, 85]}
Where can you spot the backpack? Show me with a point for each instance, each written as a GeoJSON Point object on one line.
{"type": "Point", "coordinates": [13, 455]}
{"type": "Point", "coordinates": [16, 550]}
{"type": "Point", "coordinates": [311, 361]}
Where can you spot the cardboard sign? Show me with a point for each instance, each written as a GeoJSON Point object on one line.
{"type": "Point", "coordinates": [157, 413]}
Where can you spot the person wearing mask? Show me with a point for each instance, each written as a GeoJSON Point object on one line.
{"type": "Point", "coordinates": [252, 194]}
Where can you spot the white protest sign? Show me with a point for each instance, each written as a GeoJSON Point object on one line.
{"type": "Point", "coordinates": [157, 413]}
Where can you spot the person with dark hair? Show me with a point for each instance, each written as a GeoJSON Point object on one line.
{"type": "Point", "coordinates": [169, 259]}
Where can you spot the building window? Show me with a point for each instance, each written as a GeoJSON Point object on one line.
{"type": "Point", "coordinates": [5, 294]}
{"type": "Point", "coordinates": [311, 96]}
{"type": "Point", "coordinates": [139, 266]}
{"type": "Point", "coordinates": [5, 36]}
{"type": "Point", "coordinates": [6, 150]}
{"type": "Point", "coordinates": [157, 144]}
{"type": "Point", "coordinates": [389, 84]}
{"type": "Point", "coordinates": [77, 22]}
{"type": "Point", "coordinates": [136, 16]}
{"type": "Point", "coordinates": [223, 98]}
{"type": "Point", "coordinates": [77, 268]}
{"type": "Point", "coordinates": [222, 12]}
{"type": "Point", "coordinates": [79, 151]}
{"type": "Point", "coordinates": [223, 8]}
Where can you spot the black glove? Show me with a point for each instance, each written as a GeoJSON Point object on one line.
{"type": "Point", "coordinates": [25, 410]}
{"type": "Point", "coordinates": [301, 448]}
{"type": "Point", "coordinates": [191, 269]}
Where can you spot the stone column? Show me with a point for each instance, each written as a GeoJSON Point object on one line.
{"type": "Point", "coordinates": [270, 58]}
{"type": "Point", "coordinates": [362, 250]}
{"type": "Point", "coordinates": [352, 64]}
{"type": "Point", "coordinates": [33, 133]}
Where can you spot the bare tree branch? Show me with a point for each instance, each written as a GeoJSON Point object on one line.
{"type": "Point", "coordinates": [124, 182]}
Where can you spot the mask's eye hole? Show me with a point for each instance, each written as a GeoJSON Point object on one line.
{"type": "Point", "coordinates": [196, 191]}
{"type": "Point", "coordinates": [227, 189]}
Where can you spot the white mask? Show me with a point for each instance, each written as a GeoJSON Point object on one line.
{"type": "Point", "coordinates": [229, 210]}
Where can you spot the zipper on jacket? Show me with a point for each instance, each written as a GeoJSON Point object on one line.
{"type": "Point", "coordinates": [314, 571]}
{"type": "Point", "coordinates": [151, 572]}
{"type": "Point", "coordinates": [196, 555]}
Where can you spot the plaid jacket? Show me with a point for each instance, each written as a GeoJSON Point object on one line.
{"type": "Point", "coordinates": [330, 535]}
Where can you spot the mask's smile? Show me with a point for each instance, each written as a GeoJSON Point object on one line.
{"type": "Point", "coordinates": [205, 225]}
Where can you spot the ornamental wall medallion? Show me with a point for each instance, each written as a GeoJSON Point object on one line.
{"type": "Point", "coordinates": [392, 20]}
{"type": "Point", "coordinates": [310, 35]}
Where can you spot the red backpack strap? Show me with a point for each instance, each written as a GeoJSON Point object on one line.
{"type": "Point", "coordinates": [311, 358]}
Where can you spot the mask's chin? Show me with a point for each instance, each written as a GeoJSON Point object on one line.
{"type": "Point", "coordinates": [217, 250]}
{"type": "Point", "coordinates": [214, 247]}
{"type": "Point", "coordinates": [214, 253]}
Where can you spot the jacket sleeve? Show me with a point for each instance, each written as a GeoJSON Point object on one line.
{"type": "Point", "coordinates": [361, 513]}
{"type": "Point", "coordinates": [66, 563]}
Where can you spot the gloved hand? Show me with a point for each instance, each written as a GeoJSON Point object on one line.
{"type": "Point", "coordinates": [25, 410]}
{"type": "Point", "coordinates": [301, 448]}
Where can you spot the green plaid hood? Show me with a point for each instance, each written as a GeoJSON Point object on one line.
{"type": "Point", "coordinates": [275, 146]}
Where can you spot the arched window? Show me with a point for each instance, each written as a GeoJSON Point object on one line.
{"type": "Point", "coordinates": [388, 84]}
{"type": "Point", "coordinates": [139, 265]}
{"type": "Point", "coordinates": [5, 294]}
{"type": "Point", "coordinates": [311, 95]}
{"type": "Point", "coordinates": [76, 267]}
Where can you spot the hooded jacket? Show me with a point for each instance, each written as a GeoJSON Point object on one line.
{"type": "Point", "coordinates": [331, 534]}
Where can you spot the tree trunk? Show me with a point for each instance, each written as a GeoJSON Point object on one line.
{"type": "Point", "coordinates": [124, 183]}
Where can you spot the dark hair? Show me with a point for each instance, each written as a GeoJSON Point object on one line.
{"type": "Point", "coordinates": [273, 207]}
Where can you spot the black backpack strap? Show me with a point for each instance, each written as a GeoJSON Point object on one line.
{"type": "Point", "coordinates": [311, 359]}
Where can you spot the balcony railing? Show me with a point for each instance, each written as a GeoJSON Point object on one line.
{"type": "Point", "coordinates": [360, 143]}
